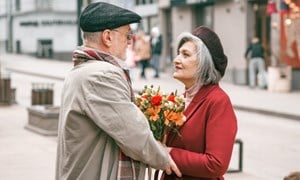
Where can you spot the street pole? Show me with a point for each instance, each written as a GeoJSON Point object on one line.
{"type": "Point", "coordinates": [79, 6]}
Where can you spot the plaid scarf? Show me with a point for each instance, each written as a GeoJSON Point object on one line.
{"type": "Point", "coordinates": [83, 54]}
{"type": "Point", "coordinates": [128, 169]}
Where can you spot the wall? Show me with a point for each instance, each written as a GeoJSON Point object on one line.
{"type": "Point", "coordinates": [230, 24]}
{"type": "Point", "coordinates": [25, 5]}
{"type": "Point", "coordinates": [3, 5]}
{"type": "Point", "coordinates": [63, 35]}
{"type": "Point", "coordinates": [65, 6]}
{"type": "Point", "coordinates": [58, 23]}
{"type": "Point", "coordinates": [3, 34]}
{"type": "Point", "coordinates": [3, 25]}
{"type": "Point", "coordinates": [181, 21]}
{"type": "Point", "coordinates": [147, 10]}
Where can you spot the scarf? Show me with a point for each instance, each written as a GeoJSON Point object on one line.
{"type": "Point", "coordinates": [128, 169]}
{"type": "Point", "coordinates": [190, 93]}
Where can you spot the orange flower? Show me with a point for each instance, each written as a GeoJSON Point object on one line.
{"type": "Point", "coordinates": [164, 112]}
{"type": "Point", "coordinates": [173, 117]}
{"type": "Point", "coordinates": [153, 112]}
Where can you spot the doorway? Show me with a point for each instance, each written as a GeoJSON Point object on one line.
{"type": "Point", "coordinates": [45, 49]}
{"type": "Point", "coordinates": [263, 30]}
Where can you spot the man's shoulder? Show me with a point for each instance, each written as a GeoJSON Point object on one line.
{"type": "Point", "coordinates": [99, 65]}
{"type": "Point", "coordinates": [94, 67]}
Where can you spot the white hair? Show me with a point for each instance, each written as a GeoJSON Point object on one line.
{"type": "Point", "coordinates": [206, 72]}
{"type": "Point", "coordinates": [91, 37]}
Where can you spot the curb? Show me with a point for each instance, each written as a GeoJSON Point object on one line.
{"type": "Point", "coordinates": [35, 74]}
{"type": "Point", "coordinates": [267, 112]}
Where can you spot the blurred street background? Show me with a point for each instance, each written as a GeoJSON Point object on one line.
{"type": "Point", "coordinates": [36, 43]}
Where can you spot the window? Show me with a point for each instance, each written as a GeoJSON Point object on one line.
{"type": "Point", "coordinates": [18, 47]}
{"type": "Point", "coordinates": [45, 49]}
{"type": "Point", "coordinates": [143, 2]}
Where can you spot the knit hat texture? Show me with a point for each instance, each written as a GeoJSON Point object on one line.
{"type": "Point", "coordinates": [213, 43]}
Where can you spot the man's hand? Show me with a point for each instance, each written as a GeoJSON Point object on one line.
{"type": "Point", "coordinates": [173, 168]}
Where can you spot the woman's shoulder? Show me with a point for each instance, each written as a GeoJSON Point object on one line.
{"type": "Point", "coordinates": [217, 93]}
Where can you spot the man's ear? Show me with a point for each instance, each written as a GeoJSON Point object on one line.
{"type": "Point", "coordinates": [106, 38]}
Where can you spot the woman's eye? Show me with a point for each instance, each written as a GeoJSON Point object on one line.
{"type": "Point", "coordinates": [185, 55]}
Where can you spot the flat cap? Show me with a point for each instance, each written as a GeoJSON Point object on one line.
{"type": "Point", "coordinates": [100, 16]}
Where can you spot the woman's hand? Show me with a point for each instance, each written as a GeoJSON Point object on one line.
{"type": "Point", "coordinates": [173, 166]}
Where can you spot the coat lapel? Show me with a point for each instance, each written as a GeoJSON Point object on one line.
{"type": "Point", "coordinates": [194, 105]}
{"type": "Point", "coordinates": [198, 100]}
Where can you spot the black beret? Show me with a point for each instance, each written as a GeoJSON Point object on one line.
{"type": "Point", "coordinates": [100, 16]}
{"type": "Point", "coordinates": [214, 45]}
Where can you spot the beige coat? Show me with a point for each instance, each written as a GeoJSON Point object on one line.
{"type": "Point", "coordinates": [96, 118]}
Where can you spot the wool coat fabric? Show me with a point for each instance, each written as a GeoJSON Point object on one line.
{"type": "Point", "coordinates": [97, 119]}
{"type": "Point", "coordinates": [203, 150]}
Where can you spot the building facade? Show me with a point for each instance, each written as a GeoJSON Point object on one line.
{"type": "Point", "coordinates": [48, 28]}
{"type": "Point", "coordinates": [274, 22]}
{"type": "Point", "coordinates": [43, 28]}
{"type": "Point", "coordinates": [236, 21]}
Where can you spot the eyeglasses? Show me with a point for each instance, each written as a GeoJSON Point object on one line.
{"type": "Point", "coordinates": [129, 35]}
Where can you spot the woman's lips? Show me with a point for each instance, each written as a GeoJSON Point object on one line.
{"type": "Point", "coordinates": [177, 67]}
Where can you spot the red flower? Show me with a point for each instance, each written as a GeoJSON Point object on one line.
{"type": "Point", "coordinates": [171, 98]}
{"type": "Point", "coordinates": [156, 100]}
{"type": "Point", "coordinates": [163, 112]}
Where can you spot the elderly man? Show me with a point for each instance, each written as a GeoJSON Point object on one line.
{"type": "Point", "coordinates": [102, 134]}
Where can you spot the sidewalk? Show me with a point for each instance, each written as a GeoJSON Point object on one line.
{"type": "Point", "coordinates": [242, 97]}
{"type": "Point", "coordinates": [29, 156]}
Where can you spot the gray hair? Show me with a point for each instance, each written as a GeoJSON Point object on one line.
{"type": "Point", "coordinates": [206, 72]}
{"type": "Point", "coordinates": [91, 37]}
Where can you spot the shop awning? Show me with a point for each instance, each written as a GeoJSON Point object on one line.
{"type": "Point", "coordinates": [191, 2]}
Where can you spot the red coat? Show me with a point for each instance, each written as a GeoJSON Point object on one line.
{"type": "Point", "coordinates": [203, 150]}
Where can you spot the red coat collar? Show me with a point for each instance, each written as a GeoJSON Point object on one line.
{"type": "Point", "coordinates": [200, 96]}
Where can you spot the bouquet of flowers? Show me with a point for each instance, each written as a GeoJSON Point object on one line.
{"type": "Point", "coordinates": [164, 112]}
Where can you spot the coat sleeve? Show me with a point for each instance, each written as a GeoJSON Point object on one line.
{"type": "Point", "coordinates": [108, 104]}
{"type": "Point", "coordinates": [219, 138]}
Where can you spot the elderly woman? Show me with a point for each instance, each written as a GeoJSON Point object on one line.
{"type": "Point", "coordinates": [203, 149]}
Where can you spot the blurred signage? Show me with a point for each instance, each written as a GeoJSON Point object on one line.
{"type": "Point", "coordinates": [47, 22]}
{"type": "Point", "coordinates": [191, 2]}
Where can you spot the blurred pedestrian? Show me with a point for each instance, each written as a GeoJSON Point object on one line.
{"type": "Point", "coordinates": [102, 134]}
{"type": "Point", "coordinates": [256, 63]}
{"type": "Point", "coordinates": [156, 41]}
{"type": "Point", "coordinates": [142, 49]}
{"type": "Point", "coordinates": [203, 149]}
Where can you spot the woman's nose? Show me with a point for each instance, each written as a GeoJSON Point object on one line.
{"type": "Point", "coordinates": [176, 59]}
